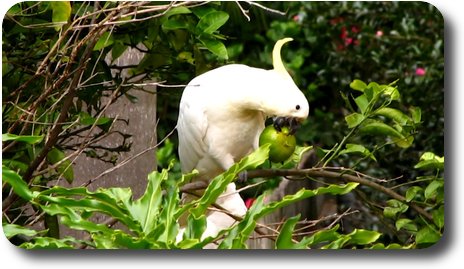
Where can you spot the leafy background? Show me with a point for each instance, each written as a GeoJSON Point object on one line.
{"type": "Point", "coordinates": [55, 84]}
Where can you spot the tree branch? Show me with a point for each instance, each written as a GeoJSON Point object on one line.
{"type": "Point", "coordinates": [321, 172]}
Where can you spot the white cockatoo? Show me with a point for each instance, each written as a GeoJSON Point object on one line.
{"type": "Point", "coordinates": [221, 116]}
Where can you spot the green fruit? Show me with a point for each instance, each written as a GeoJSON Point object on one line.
{"type": "Point", "coordinates": [282, 144]}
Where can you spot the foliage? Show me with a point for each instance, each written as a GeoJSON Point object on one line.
{"type": "Point", "coordinates": [364, 67]}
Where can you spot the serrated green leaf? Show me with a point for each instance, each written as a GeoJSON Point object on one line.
{"type": "Point", "coordinates": [304, 194]}
{"type": "Point", "coordinates": [50, 243]}
{"type": "Point", "coordinates": [19, 186]}
{"type": "Point", "coordinates": [284, 240]}
{"type": "Point", "coordinates": [358, 85]}
{"type": "Point", "coordinates": [321, 237]}
{"type": "Point", "coordinates": [215, 46]}
{"type": "Point", "coordinates": [30, 139]}
{"type": "Point", "coordinates": [10, 230]}
{"type": "Point", "coordinates": [354, 119]}
{"type": "Point", "coordinates": [211, 22]}
{"type": "Point", "coordinates": [196, 226]}
{"type": "Point", "coordinates": [99, 201]}
{"type": "Point", "coordinates": [217, 186]}
{"type": "Point", "coordinates": [239, 234]}
{"type": "Point", "coordinates": [146, 209]}
{"type": "Point", "coordinates": [337, 243]}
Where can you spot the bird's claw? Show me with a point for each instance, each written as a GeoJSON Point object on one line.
{"type": "Point", "coordinates": [242, 177]}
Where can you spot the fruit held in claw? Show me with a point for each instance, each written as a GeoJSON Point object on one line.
{"type": "Point", "coordinates": [282, 143]}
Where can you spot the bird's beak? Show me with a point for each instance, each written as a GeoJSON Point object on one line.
{"type": "Point", "coordinates": [292, 123]}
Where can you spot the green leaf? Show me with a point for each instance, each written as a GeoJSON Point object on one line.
{"type": "Point", "coordinates": [117, 50]}
{"type": "Point", "coordinates": [337, 243]}
{"type": "Point", "coordinates": [394, 208]}
{"type": "Point", "coordinates": [406, 224]}
{"type": "Point", "coordinates": [284, 240]}
{"type": "Point", "coordinates": [30, 139]}
{"type": "Point", "coordinates": [363, 237]}
{"type": "Point", "coordinates": [238, 235]}
{"type": "Point", "coordinates": [431, 190]}
{"type": "Point", "coordinates": [103, 201]}
{"type": "Point", "coordinates": [50, 243]}
{"type": "Point", "coordinates": [412, 192]}
{"type": "Point", "coordinates": [19, 186]}
{"type": "Point", "coordinates": [356, 148]}
{"type": "Point", "coordinates": [86, 119]}
{"type": "Point", "coordinates": [105, 40]}
{"type": "Point", "coordinates": [146, 209]}
{"type": "Point", "coordinates": [391, 246]}
{"type": "Point", "coordinates": [10, 230]}
{"type": "Point", "coordinates": [427, 236]}
{"type": "Point", "coordinates": [358, 85]}
{"type": "Point", "coordinates": [196, 226]}
{"type": "Point", "coordinates": [304, 194]}
{"type": "Point", "coordinates": [393, 114]}
{"type": "Point", "coordinates": [429, 160]}
{"type": "Point", "coordinates": [173, 24]}
{"type": "Point", "coordinates": [176, 11]}
{"type": "Point", "coordinates": [61, 11]}
{"type": "Point", "coordinates": [215, 46]}
{"type": "Point", "coordinates": [65, 168]}
{"type": "Point", "coordinates": [322, 236]}
{"type": "Point", "coordinates": [217, 186]}
{"type": "Point", "coordinates": [378, 128]}
{"type": "Point", "coordinates": [438, 216]}
{"type": "Point", "coordinates": [362, 103]}
{"type": "Point", "coordinates": [392, 92]}
{"type": "Point", "coordinates": [415, 114]}
{"type": "Point", "coordinates": [211, 22]}
{"type": "Point", "coordinates": [354, 120]}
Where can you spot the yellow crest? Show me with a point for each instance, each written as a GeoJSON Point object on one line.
{"type": "Point", "coordinates": [276, 58]}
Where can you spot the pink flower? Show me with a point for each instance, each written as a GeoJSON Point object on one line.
{"type": "Point", "coordinates": [348, 41]}
{"type": "Point", "coordinates": [379, 33]}
{"type": "Point", "coordinates": [420, 71]}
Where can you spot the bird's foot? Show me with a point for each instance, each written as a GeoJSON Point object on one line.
{"type": "Point", "coordinates": [242, 177]}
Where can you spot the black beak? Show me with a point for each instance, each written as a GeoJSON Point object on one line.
{"type": "Point", "coordinates": [292, 124]}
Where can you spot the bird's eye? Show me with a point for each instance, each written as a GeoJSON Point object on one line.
{"type": "Point", "coordinates": [297, 107]}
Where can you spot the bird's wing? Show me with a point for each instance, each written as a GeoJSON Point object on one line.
{"type": "Point", "coordinates": [192, 126]}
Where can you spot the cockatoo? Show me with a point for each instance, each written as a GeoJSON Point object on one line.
{"type": "Point", "coordinates": [221, 116]}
